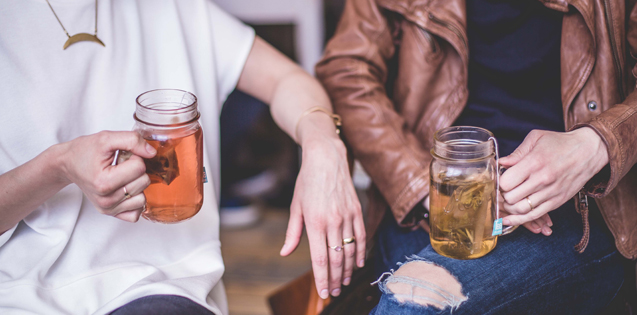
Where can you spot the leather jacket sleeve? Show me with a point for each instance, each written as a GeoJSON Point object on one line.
{"type": "Point", "coordinates": [617, 127]}
{"type": "Point", "coordinates": [354, 72]}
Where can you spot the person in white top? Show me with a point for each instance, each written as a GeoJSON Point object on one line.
{"type": "Point", "coordinates": [70, 242]}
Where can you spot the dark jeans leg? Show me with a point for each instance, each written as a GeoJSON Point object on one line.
{"type": "Point", "coordinates": [525, 274]}
{"type": "Point", "coordinates": [162, 305]}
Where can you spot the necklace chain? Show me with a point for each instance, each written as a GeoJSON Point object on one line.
{"type": "Point", "coordinates": [67, 33]}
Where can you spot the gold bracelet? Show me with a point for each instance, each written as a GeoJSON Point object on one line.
{"type": "Point", "coordinates": [335, 117]}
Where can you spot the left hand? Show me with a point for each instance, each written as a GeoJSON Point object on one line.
{"type": "Point", "coordinates": [549, 168]}
{"type": "Point", "coordinates": [325, 199]}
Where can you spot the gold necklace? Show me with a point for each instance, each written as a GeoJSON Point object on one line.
{"type": "Point", "coordinates": [81, 36]}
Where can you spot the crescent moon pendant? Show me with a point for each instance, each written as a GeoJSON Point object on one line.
{"type": "Point", "coordinates": [82, 37]}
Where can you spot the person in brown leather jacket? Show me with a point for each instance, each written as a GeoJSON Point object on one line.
{"type": "Point", "coordinates": [554, 81]}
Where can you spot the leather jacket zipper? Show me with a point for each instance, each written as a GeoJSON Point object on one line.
{"type": "Point", "coordinates": [450, 27]}
{"type": "Point", "coordinates": [611, 34]}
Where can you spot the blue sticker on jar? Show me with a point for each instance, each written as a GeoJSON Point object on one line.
{"type": "Point", "coordinates": [205, 177]}
{"type": "Point", "coordinates": [497, 227]}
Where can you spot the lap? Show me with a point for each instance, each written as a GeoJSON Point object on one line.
{"type": "Point", "coordinates": [162, 305]}
{"type": "Point", "coordinates": [525, 273]}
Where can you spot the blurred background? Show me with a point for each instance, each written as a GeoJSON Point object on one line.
{"type": "Point", "coordinates": [259, 162]}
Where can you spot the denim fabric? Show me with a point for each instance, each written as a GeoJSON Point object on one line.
{"type": "Point", "coordinates": [525, 274]}
{"type": "Point", "coordinates": [162, 305]}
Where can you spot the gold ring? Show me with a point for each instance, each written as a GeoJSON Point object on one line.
{"type": "Point", "coordinates": [349, 240]}
{"type": "Point", "coordinates": [336, 248]}
{"type": "Point", "coordinates": [530, 204]}
{"type": "Point", "coordinates": [126, 194]}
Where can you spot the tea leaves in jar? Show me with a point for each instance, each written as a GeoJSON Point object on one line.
{"type": "Point", "coordinates": [461, 214]}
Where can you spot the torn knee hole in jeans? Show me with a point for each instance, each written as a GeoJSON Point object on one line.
{"type": "Point", "coordinates": [423, 283]}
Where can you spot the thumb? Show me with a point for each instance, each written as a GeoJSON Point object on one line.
{"type": "Point", "coordinates": [293, 234]}
{"type": "Point", "coordinates": [522, 150]}
{"type": "Point", "coordinates": [129, 141]}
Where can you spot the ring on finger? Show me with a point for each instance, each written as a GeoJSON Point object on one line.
{"type": "Point", "coordinates": [126, 194]}
{"type": "Point", "coordinates": [337, 248]}
{"type": "Point", "coordinates": [530, 204]}
{"type": "Point", "coordinates": [349, 240]}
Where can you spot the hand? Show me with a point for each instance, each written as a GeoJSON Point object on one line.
{"type": "Point", "coordinates": [549, 168]}
{"type": "Point", "coordinates": [87, 163]}
{"type": "Point", "coordinates": [324, 197]}
{"type": "Point", "coordinates": [542, 224]}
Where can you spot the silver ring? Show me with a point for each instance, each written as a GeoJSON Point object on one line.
{"type": "Point", "coordinates": [337, 248]}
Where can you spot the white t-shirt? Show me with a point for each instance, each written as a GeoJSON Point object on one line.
{"type": "Point", "coordinates": [65, 257]}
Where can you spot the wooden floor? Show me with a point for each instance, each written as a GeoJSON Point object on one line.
{"type": "Point", "coordinates": [254, 268]}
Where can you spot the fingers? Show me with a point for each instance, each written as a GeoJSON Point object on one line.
{"type": "Point", "coordinates": [336, 257]}
{"type": "Point", "coordinates": [130, 216]}
{"type": "Point", "coordinates": [536, 213]}
{"type": "Point", "coordinates": [541, 225]}
{"type": "Point", "coordinates": [130, 209]}
{"type": "Point", "coordinates": [112, 200]}
{"type": "Point", "coordinates": [528, 203]}
{"type": "Point", "coordinates": [349, 253]}
{"type": "Point", "coordinates": [361, 239]}
{"type": "Point", "coordinates": [318, 254]}
{"type": "Point", "coordinates": [119, 175]}
{"type": "Point", "coordinates": [126, 140]}
{"type": "Point", "coordinates": [520, 192]}
{"type": "Point", "coordinates": [294, 231]}
{"type": "Point", "coordinates": [521, 151]}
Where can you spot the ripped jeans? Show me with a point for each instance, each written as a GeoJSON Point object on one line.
{"type": "Point", "coordinates": [525, 274]}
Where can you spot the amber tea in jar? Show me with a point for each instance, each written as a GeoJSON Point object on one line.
{"type": "Point", "coordinates": [169, 121]}
{"type": "Point", "coordinates": [463, 189]}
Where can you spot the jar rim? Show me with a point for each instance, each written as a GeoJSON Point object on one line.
{"type": "Point", "coordinates": [463, 143]}
{"type": "Point", "coordinates": [184, 108]}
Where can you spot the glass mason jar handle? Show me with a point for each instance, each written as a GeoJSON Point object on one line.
{"type": "Point", "coordinates": [501, 170]}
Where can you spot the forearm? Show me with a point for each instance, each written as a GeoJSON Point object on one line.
{"type": "Point", "coordinates": [26, 187]}
{"type": "Point", "coordinates": [290, 91]}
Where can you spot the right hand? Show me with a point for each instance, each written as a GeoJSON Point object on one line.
{"type": "Point", "coordinates": [87, 163]}
{"type": "Point", "coordinates": [542, 224]}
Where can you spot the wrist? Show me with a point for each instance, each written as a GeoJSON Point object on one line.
{"type": "Point", "coordinates": [55, 163]}
{"type": "Point", "coordinates": [598, 147]}
{"type": "Point", "coordinates": [316, 127]}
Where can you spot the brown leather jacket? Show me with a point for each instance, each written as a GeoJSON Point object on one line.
{"type": "Point", "coordinates": [396, 71]}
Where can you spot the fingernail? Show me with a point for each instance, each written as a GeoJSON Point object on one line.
{"type": "Point", "coordinates": [150, 149]}
{"type": "Point", "coordinates": [346, 281]}
{"type": "Point", "coordinates": [506, 222]}
{"type": "Point", "coordinates": [361, 263]}
{"type": "Point", "coordinates": [535, 226]}
{"type": "Point", "coordinates": [336, 292]}
{"type": "Point", "coordinates": [324, 294]}
{"type": "Point", "coordinates": [550, 224]}
{"type": "Point", "coordinates": [547, 231]}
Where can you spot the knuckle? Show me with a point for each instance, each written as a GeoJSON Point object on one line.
{"type": "Point", "coordinates": [102, 186]}
{"type": "Point", "coordinates": [350, 251]}
{"type": "Point", "coordinates": [103, 204]}
{"type": "Point", "coordinates": [140, 167]}
{"type": "Point", "coordinates": [320, 261]}
{"type": "Point", "coordinates": [146, 181]}
{"type": "Point", "coordinates": [336, 261]}
{"type": "Point", "coordinates": [317, 224]}
{"type": "Point", "coordinates": [104, 136]}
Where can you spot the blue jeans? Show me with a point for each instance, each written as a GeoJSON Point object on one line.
{"type": "Point", "coordinates": [525, 274]}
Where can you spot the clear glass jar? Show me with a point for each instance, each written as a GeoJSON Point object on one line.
{"type": "Point", "coordinates": [169, 120]}
{"type": "Point", "coordinates": [463, 203]}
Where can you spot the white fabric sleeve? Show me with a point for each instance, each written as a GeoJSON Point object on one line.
{"type": "Point", "coordinates": [232, 41]}
{"type": "Point", "coordinates": [7, 235]}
